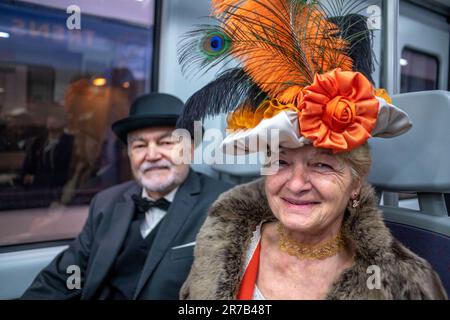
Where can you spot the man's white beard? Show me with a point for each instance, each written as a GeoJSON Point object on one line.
{"type": "Point", "coordinates": [171, 180]}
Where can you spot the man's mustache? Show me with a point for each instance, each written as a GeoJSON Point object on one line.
{"type": "Point", "coordinates": [146, 166]}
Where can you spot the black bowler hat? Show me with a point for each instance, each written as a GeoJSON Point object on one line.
{"type": "Point", "coordinates": [150, 110]}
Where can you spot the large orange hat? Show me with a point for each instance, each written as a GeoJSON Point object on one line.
{"type": "Point", "coordinates": [304, 69]}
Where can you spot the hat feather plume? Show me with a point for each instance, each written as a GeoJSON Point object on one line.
{"type": "Point", "coordinates": [280, 44]}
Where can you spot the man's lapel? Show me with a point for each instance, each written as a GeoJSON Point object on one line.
{"type": "Point", "coordinates": [111, 242]}
{"type": "Point", "coordinates": [179, 211]}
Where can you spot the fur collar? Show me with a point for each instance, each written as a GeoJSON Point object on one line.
{"type": "Point", "coordinates": [224, 238]}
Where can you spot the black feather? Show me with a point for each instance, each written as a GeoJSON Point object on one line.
{"type": "Point", "coordinates": [231, 90]}
{"type": "Point", "coordinates": [354, 28]}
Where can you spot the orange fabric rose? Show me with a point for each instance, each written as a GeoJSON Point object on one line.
{"type": "Point", "coordinates": [339, 110]}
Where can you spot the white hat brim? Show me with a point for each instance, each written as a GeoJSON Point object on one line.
{"type": "Point", "coordinates": [283, 129]}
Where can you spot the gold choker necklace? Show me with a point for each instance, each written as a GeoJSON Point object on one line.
{"type": "Point", "coordinates": [306, 251]}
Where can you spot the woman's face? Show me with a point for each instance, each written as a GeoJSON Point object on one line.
{"type": "Point", "coordinates": [310, 191]}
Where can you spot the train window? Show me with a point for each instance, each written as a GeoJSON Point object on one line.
{"type": "Point", "coordinates": [419, 71]}
{"type": "Point", "coordinates": [66, 73]}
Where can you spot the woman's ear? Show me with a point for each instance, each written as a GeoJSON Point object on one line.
{"type": "Point", "coordinates": [356, 190]}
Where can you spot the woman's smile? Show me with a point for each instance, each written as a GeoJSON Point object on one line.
{"type": "Point", "coordinates": [299, 205]}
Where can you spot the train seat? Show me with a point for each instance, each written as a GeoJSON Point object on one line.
{"type": "Point", "coordinates": [418, 162]}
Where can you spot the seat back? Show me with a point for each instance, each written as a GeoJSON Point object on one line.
{"type": "Point", "coordinates": [418, 161]}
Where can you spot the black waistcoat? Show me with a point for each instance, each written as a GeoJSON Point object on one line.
{"type": "Point", "coordinates": [122, 280]}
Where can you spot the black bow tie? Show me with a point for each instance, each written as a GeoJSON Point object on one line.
{"type": "Point", "coordinates": [143, 205]}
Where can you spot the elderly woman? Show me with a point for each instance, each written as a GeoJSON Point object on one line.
{"type": "Point", "coordinates": [311, 229]}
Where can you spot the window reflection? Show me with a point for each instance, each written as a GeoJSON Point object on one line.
{"type": "Point", "coordinates": [420, 71]}
{"type": "Point", "coordinates": [60, 90]}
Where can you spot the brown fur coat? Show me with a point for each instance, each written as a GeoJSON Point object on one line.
{"type": "Point", "coordinates": [224, 238]}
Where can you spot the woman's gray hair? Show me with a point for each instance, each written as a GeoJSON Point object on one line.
{"type": "Point", "coordinates": [359, 160]}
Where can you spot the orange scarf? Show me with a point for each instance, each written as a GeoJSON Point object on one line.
{"type": "Point", "coordinates": [250, 275]}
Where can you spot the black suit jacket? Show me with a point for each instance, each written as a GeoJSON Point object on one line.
{"type": "Point", "coordinates": [98, 244]}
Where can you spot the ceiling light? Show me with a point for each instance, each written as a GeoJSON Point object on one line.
{"type": "Point", "coordinates": [99, 82]}
{"type": "Point", "coordinates": [4, 35]}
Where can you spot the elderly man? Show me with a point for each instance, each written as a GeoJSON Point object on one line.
{"type": "Point", "coordinates": [139, 236]}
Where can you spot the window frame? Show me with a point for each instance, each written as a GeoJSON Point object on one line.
{"type": "Point", "coordinates": [424, 54]}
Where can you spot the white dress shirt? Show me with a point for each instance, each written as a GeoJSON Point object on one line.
{"type": "Point", "coordinates": [154, 215]}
